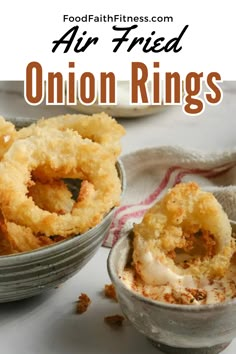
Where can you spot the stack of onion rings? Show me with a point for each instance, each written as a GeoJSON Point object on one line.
{"type": "Point", "coordinates": [34, 200]}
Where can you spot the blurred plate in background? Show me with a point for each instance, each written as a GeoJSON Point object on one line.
{"type": "Point", "coordinates": [123, 108]}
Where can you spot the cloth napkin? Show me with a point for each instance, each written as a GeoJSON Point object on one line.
{"type": "Point", "coordinates": [151, 172]}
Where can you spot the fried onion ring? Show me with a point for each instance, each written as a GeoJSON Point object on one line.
{"type": "Point", "coordinates": [67, 155]}
{"type": "Point", "coordinates": [186, 222]}
{"type": "Point", "coordinates": [5, 244]}
{"type": "Point", "coordinates": [22, 239]}
{"type": "Point", "coordinates": [54, 196]}
{"type": "Point", "coordinates": [99, 128]}
{"type": "Point", "coordinates": [15, 238]}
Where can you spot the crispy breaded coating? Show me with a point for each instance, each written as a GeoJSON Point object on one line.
{"type": "Point", "coordinates": [36, 207]}
{"type": "Point", "coordinates": [82, 303]}
{"type": "Point", "coordinates": [114, 320]}
{"type": "Point", "coordinates": [99, 128]}
{"type": "Point", "coordinates": [186, 220]}
{"type": "Point", "coordinates": [15, 238]}
{"type": "Point", "coordinates": [52, 196]}
{"type": "Point", "coordinates": [5, 244]}
{"type": "Point", "coordinates": [60, 155]}
{"type": "Point", "coordinates": [110, 291]}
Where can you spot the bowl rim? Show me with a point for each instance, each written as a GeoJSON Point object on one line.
{"type": "Point", "coordinates": [175, 307]}
{"type": "Point", "coordinates": [57, 247]}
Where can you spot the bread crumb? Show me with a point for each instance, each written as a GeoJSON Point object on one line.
{"type": "Point", "coordinates": [110, 291]}
{"type": "Point", "coordinates": [83, 303]}
{"type": "Point", "coordinates": [198, 294]}
{"type": "Point", "coordinates": [115, 320]}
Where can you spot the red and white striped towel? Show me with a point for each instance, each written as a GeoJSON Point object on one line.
{"type": "Point", "coordinates": [151, 172]}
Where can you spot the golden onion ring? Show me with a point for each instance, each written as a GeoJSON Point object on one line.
{"type": "Point", "coordinates": [186, 220]}
{"type": "Point", "coordinates": [15, 238]}
{"type": "Point", "coordinates": [53, 196]}
{"type": "Point", "coordinates": [99, 128]}
{"type": "Point", "coordinates": [67, 155]}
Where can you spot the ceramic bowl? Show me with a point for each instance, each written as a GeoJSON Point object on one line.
{"type": "Point", "coordinates": [30, 273]}
{"type": "Point", "coordinates": [175, 329]}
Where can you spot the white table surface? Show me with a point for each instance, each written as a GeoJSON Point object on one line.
{"type": "Point", "coordinates": [48, 324]}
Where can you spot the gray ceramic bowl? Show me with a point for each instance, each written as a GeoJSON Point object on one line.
{"type": "Point", "coordinates": [178, 329]}
{"type": "Point", "coordinates": [26, 274]}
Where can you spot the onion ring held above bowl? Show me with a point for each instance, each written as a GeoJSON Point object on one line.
{"type": "Point", "coordinates": [185, 235]}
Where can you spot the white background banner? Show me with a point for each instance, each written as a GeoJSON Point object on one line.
{"type": "Point", "coordinates": [28, 29]}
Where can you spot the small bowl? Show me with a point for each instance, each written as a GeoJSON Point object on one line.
{"type": "Point", "coordinates": [174, 329]}
{"type": "Point", "coordinates": [30, 273]}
